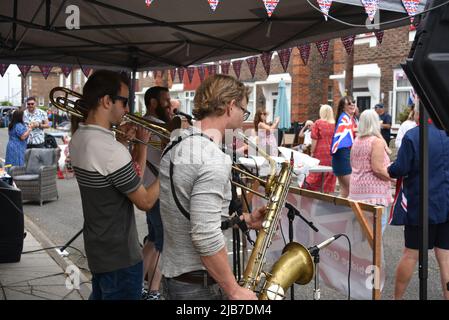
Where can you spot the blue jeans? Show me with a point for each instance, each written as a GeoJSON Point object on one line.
{"type": "Point", "coordinates": [155, 228]}
{"type": "Point", "coordinates": [122, 284]}
{"type": "Point", "coordinates": [178, 290]}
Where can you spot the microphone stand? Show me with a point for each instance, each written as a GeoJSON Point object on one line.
{"type": "Point", "coordinates": [316, 260]}
{"type": "Point", "coordinates": [62, 251]}
{"type": "Point", "coordinates": [292, 212]}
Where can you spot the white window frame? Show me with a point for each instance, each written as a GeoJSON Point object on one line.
{"type": "Point", "coordinates": [41, 101]}
{"type": "Point", "coordinates": [396, 89]}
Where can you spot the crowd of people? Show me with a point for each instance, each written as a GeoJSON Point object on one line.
{"type": "Point", "coordinates": [183, 184]}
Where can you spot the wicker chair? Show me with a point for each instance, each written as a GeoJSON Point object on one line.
{"type": "Point", "coordinates": [37, 178]}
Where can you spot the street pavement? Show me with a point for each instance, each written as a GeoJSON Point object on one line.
{"type": "Point", "coordinates": [60, 220]}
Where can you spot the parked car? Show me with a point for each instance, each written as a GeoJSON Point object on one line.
{"type": "Point", "coordinates": [5, 115]}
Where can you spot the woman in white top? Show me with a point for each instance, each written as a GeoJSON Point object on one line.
{"type": "Point", "coordinates": [405, 126]}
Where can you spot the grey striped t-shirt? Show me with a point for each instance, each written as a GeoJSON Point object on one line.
{"type": "Point", "coordinates": [201, 177]}
{"type": "Point", "coordinates": [105, 176]}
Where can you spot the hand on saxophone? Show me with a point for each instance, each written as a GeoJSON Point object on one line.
{"type": "Point", "coordinates": [240, 293]}
{"type": "Point", "coordinates": [255, 219]}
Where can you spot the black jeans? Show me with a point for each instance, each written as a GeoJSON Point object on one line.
{"type": "Point", "coordinates": [37, 146]}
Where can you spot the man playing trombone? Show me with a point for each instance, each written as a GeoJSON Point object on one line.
{"type": "Point", "coordinates": [109, 190]}
{"type": "Point", "coordinates": [195, 195]}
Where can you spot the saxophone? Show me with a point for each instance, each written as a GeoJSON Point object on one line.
{"type": "Point", "coordinates": [295, 263]}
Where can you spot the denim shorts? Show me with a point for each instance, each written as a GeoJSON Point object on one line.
{"type": "Point", "coordinates": [178, 290]}
{"type": "Point", "coordinates": [122, 284]}
{"type": "Point", "coordinates": [341, 162]}
{"type": "Point", "coordinates": [155, 229]}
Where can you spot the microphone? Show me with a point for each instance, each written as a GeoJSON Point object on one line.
{"type": "Point", "coordinates": [323, 244]}
{"type": "Point", "coordinates": [180, 113]}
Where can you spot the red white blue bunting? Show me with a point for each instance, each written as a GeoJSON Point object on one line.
{"type": "Point", "coordinates": [24, 69]}
{"type": "Point", "coordinates": [225, 67]}
{"type": "Point", "coordinates": [284, 57]}
{"type": "Point", "coordinates": [266, 61]}
{"type": "Point", "coordinates": [201, 72]}
{"type": "Point", "coordinates": [181, 74]}
{"type": "Point", "coordinates": [323, 48]}
{"type": "Point", "coordinates": [211, 69]}
{"type": "Point", "coordinates": [379, 36]}
{"type": "Point", "coordinates": [411, 6]}
{"type": "Point", "coordinates": [348, 43]}
{"type": "Point", "coordinates": [252, 64]}
{"type": "Point", "coordinates": [304, 52]}
{"type": "Point", "coordinates": [237, 65]}
{"type": "Point", "coordinates": [148, 3]}
{"type": "Point", "coordinates": [66, 70]}
{"type": "Point", "coordinates": [190, 72]}
{"type": "Point", "coordinates": [172, 74]}
{"type": "Point", "coordinates": [45, 71]}
{"type": "Point", "coordinates": [213, 4]}
{"type": "Point", "coordinates": [325, 5]}
{"type": "Point", "coordinates": [270, 5]}
{"type": "Point", "coordinates": [371, 7]}
{"type": "Point", "coordinates": [3, 68]}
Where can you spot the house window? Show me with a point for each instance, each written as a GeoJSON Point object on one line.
{"type": "Point", "coordinates": [188, 101]}
{"type": "Point", "coordinates": [330, 95]}
{"type": "Point", "coordinates": [41, 101]}
{"type": "Point", "coordinates": [401, 93]}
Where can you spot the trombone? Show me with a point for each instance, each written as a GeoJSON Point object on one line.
{"type": "Point", "coordinates": [71, 102]}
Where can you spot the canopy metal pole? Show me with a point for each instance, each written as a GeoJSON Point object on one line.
{"type": "Point", "coordinates": [132, 91]}
{"type": "Point", "coordinates": [424, 197]}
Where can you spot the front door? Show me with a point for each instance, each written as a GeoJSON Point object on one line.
{"type": "Point", "coordinates": [364, 103]}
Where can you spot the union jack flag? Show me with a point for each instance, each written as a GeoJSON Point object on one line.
{"type": "Point", "coordinates": [148, 2]}
{"type": "Point", "coordinates": [343, 136]}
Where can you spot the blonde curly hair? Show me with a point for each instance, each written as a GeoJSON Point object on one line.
{"type": "Point", "coordinates": [215, 93]}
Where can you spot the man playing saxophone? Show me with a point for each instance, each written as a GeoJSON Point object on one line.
{"type": "Point", "coordinates": [195, 195]}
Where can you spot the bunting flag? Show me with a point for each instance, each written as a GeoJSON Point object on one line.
{"type": "Point", "coordinates": [86, 71]}
{"type": "Point", "coordinates": [201, 72]}
{"type": "Point", "coordinates": [213, 4]}
{"type": "Point", "coordinates": [225, 67]}
{"type": "Point", "coordinates": [172, 74]}
{"type": "Point", "coordinates": [66, 70]}
{"type": "Point", "coordinates": [266, 61]}
{"type": "Point", "coordinates": [181, 74]}
{"type": "Point", "coordinates": [284, 57]}
{"type": "Point", "coordinates": [379, 36]}
{"type": "Point", "coordinates": [348, 43]}
{"type": "Point", "coordinates": [211, 69]}
{"type": "Point", "coordinates": [45, 71]}
{"type": "Point", "coordinates": [371, 7]}
{"type": "Point", "coordinates": [3, 68]}
{"type": "Point", "coordinates": [237, 65]}
{"type": "Point", "coordinates": [252, 64]}
{"type": "Point", "coordinates": [161, 73]}
{"type": "Point", "coordinates": [24, 69]}
{"type": "Point", "coordinates": [148, 3]}
{"type": "Point", "coordinates": [411, 6]}
{"type": "Point", "coordinates": [190, 72]}
{"type": "Point", "coordinates": [270, 5]}
{"type": "Point", "coordinates": [304, 52]}
{"type": "Point", "coordinates": [325, 5]}
{"type": "Point", "coordinates": [323, 48]}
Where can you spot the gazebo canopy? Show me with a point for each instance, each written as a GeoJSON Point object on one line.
{"type": "Point", "coordinates": [171, 33]}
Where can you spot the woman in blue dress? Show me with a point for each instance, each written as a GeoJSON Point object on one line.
{"type": "Point", "coordinates": [17, 144]}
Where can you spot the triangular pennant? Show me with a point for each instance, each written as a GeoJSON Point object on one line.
{"type": "Point", "coordinates": [237, 65]}
{"type": "Point", "coordinates": [213, 4]}
{"type": "Point", "coordinates": [304, 52]}
{"type": "Point", "coordinates": [172, 74]}
{"type": "Point", "coordinates": [190, 72]}
{"type": "Point", "coordinates": [66, 70]}
{"type": "Point", "coordinates": [201, 72]}
{"type": "Point", "coordinates": [252, 64]}
{"type": "Point", "coordinates": [411, 6]}
{"type": "Point", "coordinates": [266, 61]}
{"type": "Point", "coordinates": [348, 43]}
{"type": "Point", "coordinates": [211, 69]}
{"type": "Point", "coordinates": [181, 74]}
{"type": "Point", "coordinates": [371, 7]}
{"type": "Point", "coordinates": [3, 68]}
{"type": "Point", "coordinates": [148, 3]}
{"type": "Point", "coordinates": [284, 57]}
{"type": "Point", "coordinates": [45, 71]}
{"type": "Point", "coordinates": [270, 5]}
{"type": "Point", "coordinates": [323, 48]}
{"type": "Point", "coordinates": [161, 73]}
{"type": "Point", "coordinates": [24, 69]}
{"type": "Point", "coordinates": [86, 71]}
{"type": "Point", "coordinates": [379, 36]}
{"type": "Point", "coordinates": [225, 67]}
{"type": "Point", "coordinates": [325, 5]}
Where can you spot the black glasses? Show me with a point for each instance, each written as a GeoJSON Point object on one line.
{"type": "Point", "coordinates": [246, 113]}
{"type": "Point", "coordinates": [124, 99]}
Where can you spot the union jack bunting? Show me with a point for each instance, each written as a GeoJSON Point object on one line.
{"type": "Point", "coordinates": [304, 52]}
{"type": "Point", "coordinates": [181, 74]}
{"type": "Point", "coordinates": [379, 36]}
{"type": "Point", "coordinates": [343, 136]}
{"type": "Point", "coordinates": [411, 6]}
{"type": "Point", "coordinates": [86, 71]}
{"type": "Point", "coordinates": [325, 5]}
{"type": "Point", "coordinates": [211, 69]}
{"type": "Point", "coordinates": [323, 48]}
{"type": "Point", "coordinates": [190, 72]}
{"type": "Point", "coordinates": [237, 65]}
{"type": "Point", "coordinates": [370, 8]}
{"type": "Point", "coordinates": [225, 67]}
{"type": "Point", "coordinates": [24, 69]}
{"type": "Point", "coordinates": [348, 43]}
{"type": "Point", "coordinates": [45, 71]}
{"type": "Point", "coordinates": [213, 4]}
{"type": "Point", "coordinates": [201, 72]}
{"type": "Point", "coordinates": [284, 57]}
{"type": "Point", "coordinates": [266, 61]}
{"type": "Point", "coordinates": [3, 68]}
{"type": "Point", "coordinates": [66, 70]}
{"type": "Point", "coordinates": [252, 64]}
{"type": "Point", "coordinates": [173, 74]}
{"type": "Point", "coordinates": [270, 5]}
{"type": "Point", "coordinates": [148, 3]}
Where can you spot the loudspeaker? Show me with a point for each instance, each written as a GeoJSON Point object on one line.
{"type": "Point", "coordinates": [427, 66]}
{"type": "Point", "coordinates": [11, 223]}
